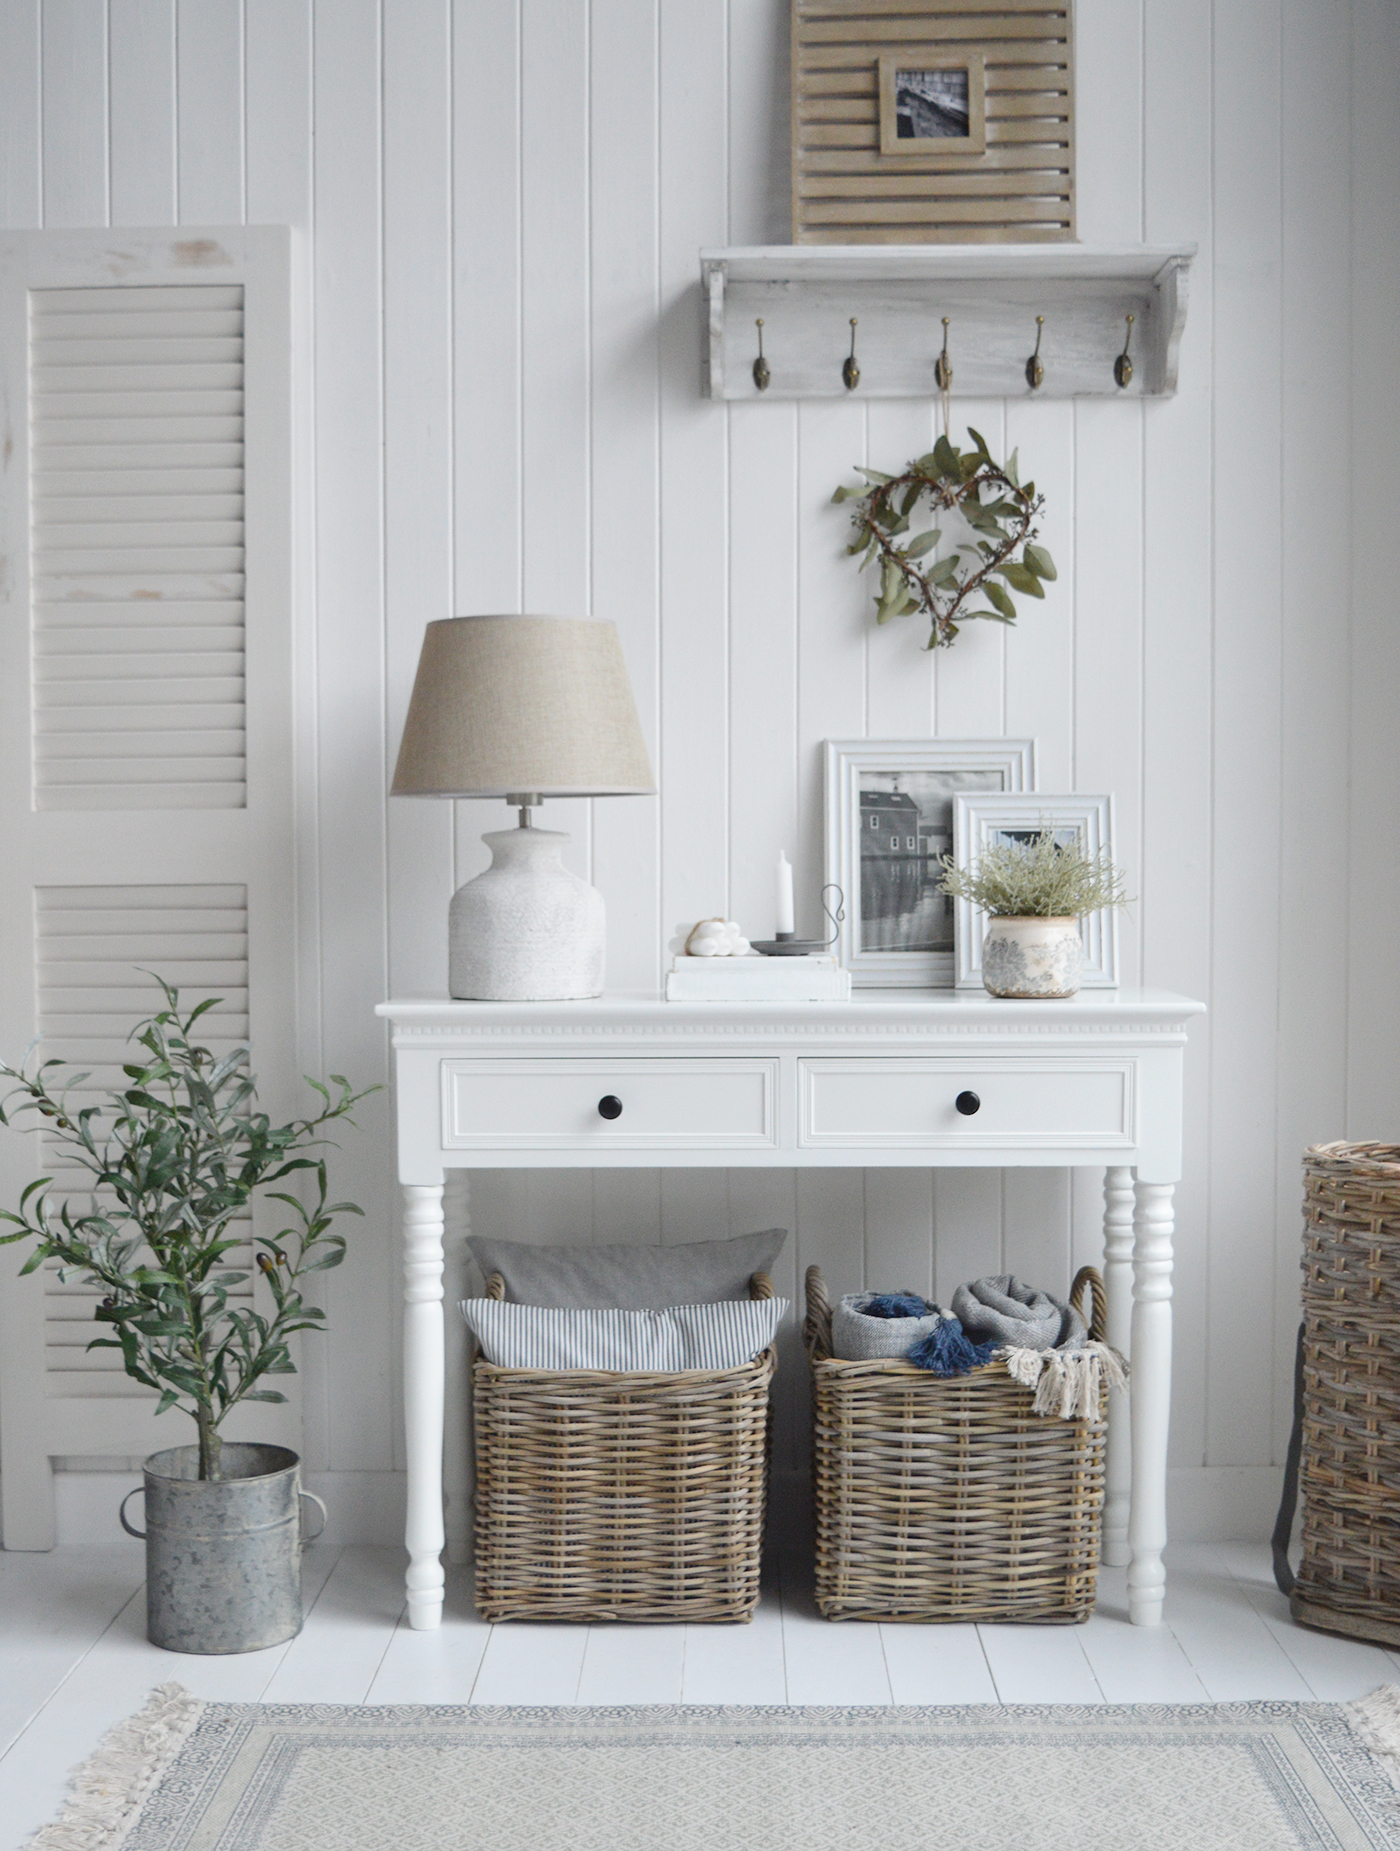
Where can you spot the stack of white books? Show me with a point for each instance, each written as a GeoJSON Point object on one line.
{"type": "Point", "coordinates": [813, 979]}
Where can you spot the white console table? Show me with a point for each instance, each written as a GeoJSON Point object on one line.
{"type": "Point", "coordinates": [940, 1077]}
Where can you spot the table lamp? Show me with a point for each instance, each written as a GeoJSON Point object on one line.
{"type": "Point", "coordinates": [523, 708]}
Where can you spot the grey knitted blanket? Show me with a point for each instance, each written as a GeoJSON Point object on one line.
{"type": "Point", "coordinates": [1003, 1310]}
{"type": "Point", "coordinates": [856, 1338]}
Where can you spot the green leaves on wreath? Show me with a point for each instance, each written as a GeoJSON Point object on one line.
{"type": "Point", "coordinates": [999, 512]}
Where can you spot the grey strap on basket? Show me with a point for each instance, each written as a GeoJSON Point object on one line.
{"type": "Point", "coordinates": [1288, 1503]}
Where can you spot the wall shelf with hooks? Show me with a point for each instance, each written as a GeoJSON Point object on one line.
{"type": "Point", "coordinates": [806, 296]}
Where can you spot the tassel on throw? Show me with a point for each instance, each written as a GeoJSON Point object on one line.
{"type": "Point", "coordinates": [947, 1351]}
{"type": "Point", "coordinates": [1067, 1383]}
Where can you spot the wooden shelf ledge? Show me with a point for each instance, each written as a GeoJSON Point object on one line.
{"type": "Point", "coordinates": [806, 295]}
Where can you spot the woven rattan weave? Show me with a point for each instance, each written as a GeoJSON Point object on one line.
{"type": "Point", "coordinates": [610, 1496]}
{"type": "Point", "coordinates": [1349, 1581]}
{"type": "Point", "coordinates": [949, 1499]}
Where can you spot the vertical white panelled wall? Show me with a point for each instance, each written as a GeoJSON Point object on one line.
{"type": "Point", "coordinates": [498, 206]}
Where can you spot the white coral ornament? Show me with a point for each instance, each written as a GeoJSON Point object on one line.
{"type": "Point", "coordinates": [711, 938]}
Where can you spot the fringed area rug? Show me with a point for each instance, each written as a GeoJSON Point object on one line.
{"type": "Point", "coordinates": [189, 1776]}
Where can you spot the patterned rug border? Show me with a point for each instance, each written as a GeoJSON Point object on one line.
{"type": "Point", "coordinates": [111, 1793]}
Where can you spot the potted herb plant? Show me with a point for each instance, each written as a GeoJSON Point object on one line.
{"type": "Point", "coordinates": [175, 1158]}
{"type": "Point", "coordinates": [1035, 893]}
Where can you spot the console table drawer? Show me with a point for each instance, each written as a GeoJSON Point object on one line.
{"type": "Point", "coordinates": [1025, 1102]}
{"type": "Point", "coordinates": [596, 1104]}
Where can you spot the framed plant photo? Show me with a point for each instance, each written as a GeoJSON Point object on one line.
{"type": "Point", "coordinates": [889, 822]}
{"type": "Point", "coordinates": [981, 818]}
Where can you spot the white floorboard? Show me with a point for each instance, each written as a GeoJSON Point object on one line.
{"type": "Point", "coordinates": [439, 1666]}
{"type": "Point", "coordinates": [1039, 1664]}
{"type": "Point", "coordinates": [1231, 1650]}
{"type": "Point", "coordinates": [633, 1664]}
{"type": "Point", "coordinates": [720, 1660]}
{"type": "Point", "coordinates": [531, 1664]}
{"type": "Point", "coordinates": [937, 1664]}
{"type": "Point", "coordinates": [74, 1658]}
{"type": "Point", "coordinates": [841, 1662]}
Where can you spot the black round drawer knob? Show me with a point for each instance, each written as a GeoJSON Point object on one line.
{"type": "Point", "coordinates": [610, 1106]}
{"type": "Point", "coordinates": [967, 1104]}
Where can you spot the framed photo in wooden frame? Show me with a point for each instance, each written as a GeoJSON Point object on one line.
{"type": "Point", "coordinates": [983, 817]}
{"type": "Point", "coordinates": [933, 105]}
{"type": "Point", "coordinates": [889, 822]}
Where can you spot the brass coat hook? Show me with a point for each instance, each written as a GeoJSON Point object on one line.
{"type": "Point", "coordinates": [850, 367]}
{"type": "Point", "coordinates": [1035, 368]}
{"type": "Point", "coordinates": [943, 366]}
{"type": "Point", "coordinates": [761, 374]}
{"type": "Point", "coordinates": [1123, 366]}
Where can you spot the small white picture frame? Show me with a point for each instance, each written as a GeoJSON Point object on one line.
{"type": "Point", "coordinates": [983, 817]}
{"type": "Point", "coordinates": [883, 942]}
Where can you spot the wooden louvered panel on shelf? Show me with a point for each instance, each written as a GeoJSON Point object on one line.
{"type": "Point", "coordinates": [1020, 188]}
{"type": "Point", "coordinates": [136, 456]}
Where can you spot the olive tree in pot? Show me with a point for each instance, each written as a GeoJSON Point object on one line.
{"type": "Point", "coordinates": [175, 1158]}
{"type": "Point", "coordinates": [1034, 894]}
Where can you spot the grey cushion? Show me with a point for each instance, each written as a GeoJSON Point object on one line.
{"type": "Point", "coordinates": [629, 1278]}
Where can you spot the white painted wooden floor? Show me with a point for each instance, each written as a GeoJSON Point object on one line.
{"type": "Point", "coordinates": [74, 1657]}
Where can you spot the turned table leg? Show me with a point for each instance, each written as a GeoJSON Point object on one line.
{"type": "Point", "coordinates": [423, 1400]}
{"type": "Point", "coordinates": [1118, 1201]}
{"type": "Point", "coordinates": [1151, 1399]}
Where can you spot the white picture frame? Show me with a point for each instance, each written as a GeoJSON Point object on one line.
{"type": "Point", "coordinates": [983, 817]}
{"type": "Point", "coordinates": [931, 772]}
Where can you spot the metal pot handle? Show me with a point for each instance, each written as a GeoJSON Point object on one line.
{"type": "Point", "coordinates": [121, 1512]}
{"type": "Point", "coordinates": [324, 1517]}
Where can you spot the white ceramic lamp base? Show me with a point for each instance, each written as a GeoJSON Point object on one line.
{"type": "Point", "coordinates": [525, 931]}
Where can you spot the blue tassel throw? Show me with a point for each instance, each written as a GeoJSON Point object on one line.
{"type": "Point", "coordinates": [948, 1351]}
{"type": "Point", "coordinates": [895, 1305]}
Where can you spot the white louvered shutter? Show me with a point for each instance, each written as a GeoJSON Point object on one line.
{"type": "Point", "coordinates": [146, 807]}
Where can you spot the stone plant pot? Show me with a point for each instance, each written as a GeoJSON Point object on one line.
{"type": "Point", "coordinates": [223, 1556]}
{"type": "Point", "coordinates": [1032, 957]}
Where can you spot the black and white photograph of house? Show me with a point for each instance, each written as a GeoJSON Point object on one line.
{"type": "Point", "coordinates": [906, 827]}
{"type": "Point", "coordinates": [932, 105]}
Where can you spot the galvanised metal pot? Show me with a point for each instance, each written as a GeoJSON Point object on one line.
{"type": "Point", "coordinates": [223, 1556]}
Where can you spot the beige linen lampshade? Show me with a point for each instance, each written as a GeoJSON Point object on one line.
{"type": "Point", "coordinates": [524, 708]}
{"type": "Point", "coordinates": [507, 705]}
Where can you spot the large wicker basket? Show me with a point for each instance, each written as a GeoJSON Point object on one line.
{"type": "Point", "coordinates": [949, 1499]}
{"type": "Point", "coordinates": [610, 1496]}
{"type": "Point", "coordinates": [1349, 1581]}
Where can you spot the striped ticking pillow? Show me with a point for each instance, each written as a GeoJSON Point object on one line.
{"type": "Point", "coordinates": [720, 1336]}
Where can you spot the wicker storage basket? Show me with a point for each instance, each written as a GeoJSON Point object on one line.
{"type": "Point", "coordinates": [949, 1499]}
{"type": "Point", "coordinates": [610, 1496]}
{"type": "Point", "coordinates": [1349, 1580]}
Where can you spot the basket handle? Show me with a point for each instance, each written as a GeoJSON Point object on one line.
{"type": "Point", "coordinates": [816, 1327]}
{"type": "Point", "coordinates": [496, 1288]}
{"type": "Point", "coordinates": [1088, 1278]}
{"type": "Point", "coordinates": [760, 1286]}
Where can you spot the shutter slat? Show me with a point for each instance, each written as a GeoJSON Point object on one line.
{"type": "Point", "coordinates": [121, 504]}
{"type": "Point", "coordinates": [74, 460]}
{"type": "Point", "coordinates": [163, 796]}
{"type": "Point", "coordinates": [126, 301]}
{"type": "Point", "coordinates": [133, 752]}
{"type": "Point", "coordinates": [95, 360]}
{"type": "Point", "coordinates": [114, 586]}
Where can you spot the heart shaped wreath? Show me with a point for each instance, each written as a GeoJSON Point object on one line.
{"type": "Point", "coordinates": [997, 508]}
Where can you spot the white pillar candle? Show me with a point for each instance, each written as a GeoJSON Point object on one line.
{"type": "Point", "coordinates": [784, 892]}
